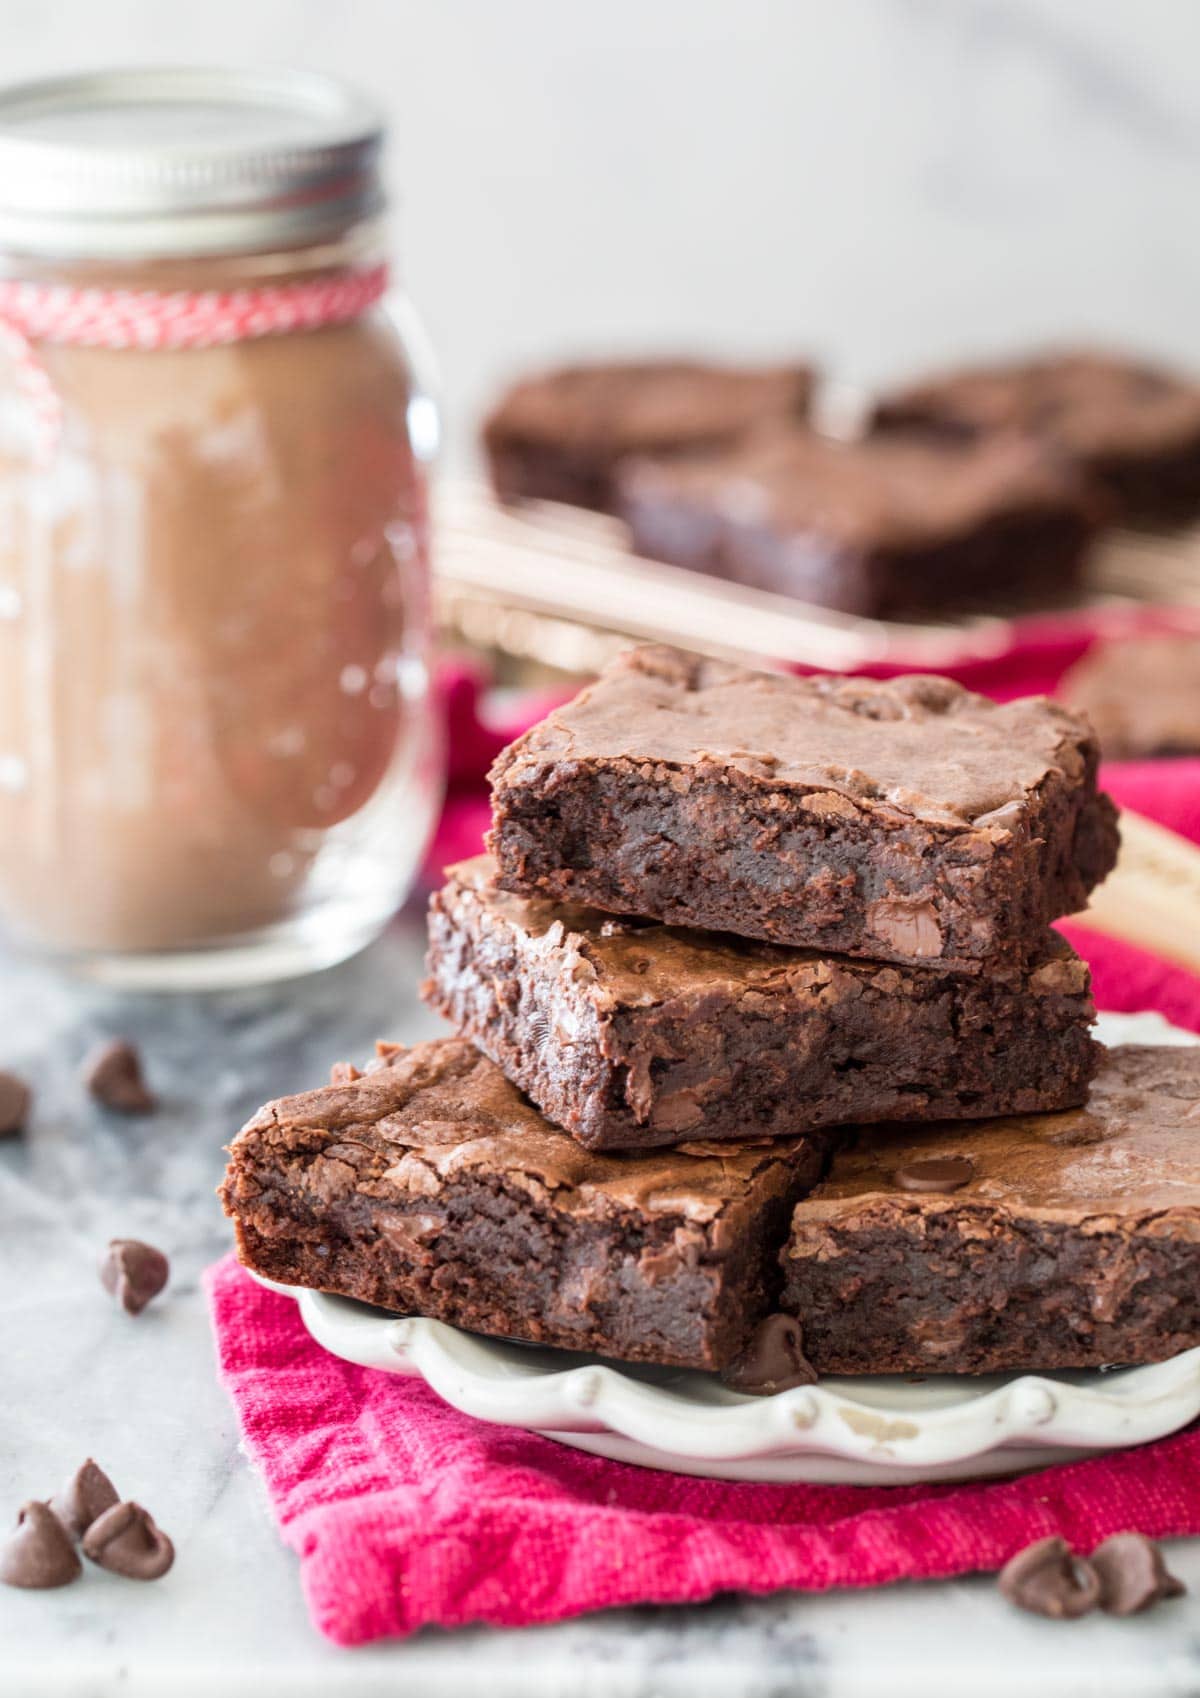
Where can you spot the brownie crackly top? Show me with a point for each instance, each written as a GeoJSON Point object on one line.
{"type": "Point", "coordinates": [1132, 1154]}
{"type": "Point", "coordinates": [916, 747]}
{"type": "Point", "coordinates": [880, 493]}
{"type": "Point", "coordinates": [438, 1112]}
{"type": "Point", "coordinates": [623, 962]}
{"type": "Point", "coordinates": [643, 406]}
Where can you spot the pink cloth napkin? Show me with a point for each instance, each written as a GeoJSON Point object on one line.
{"type": "Point", "coordinates": [405, 1513]}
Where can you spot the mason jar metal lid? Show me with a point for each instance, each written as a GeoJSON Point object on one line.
{"type": "Point", "coordinates": [178, 162]}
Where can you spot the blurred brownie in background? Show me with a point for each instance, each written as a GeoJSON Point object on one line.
{"type": "Point", "coordinates": [878, 527]}
{"type": "Point", "coordinates": [1142, 696]}
{"type": "Point", "coordinates": [1133, 427]}
{"type": "Point", "coordinates": [560, 435]}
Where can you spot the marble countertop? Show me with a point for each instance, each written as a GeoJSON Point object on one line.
{"type": "Point", "coordinates": [78, 1377]}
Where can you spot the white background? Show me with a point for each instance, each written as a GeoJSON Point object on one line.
{"type": "Point", "coordinates": [882, 182]}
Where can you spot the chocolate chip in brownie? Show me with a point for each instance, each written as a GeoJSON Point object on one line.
{"type": "Point", "coordinates": [772, 1361]}
{"type": "Point", "coordinates": [948, 1174]}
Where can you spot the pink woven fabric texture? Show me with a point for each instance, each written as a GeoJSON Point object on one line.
{"type": "Point", "coordinates": [405, 1513]}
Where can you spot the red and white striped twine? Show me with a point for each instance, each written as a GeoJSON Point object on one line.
{"type": "Point", "coordinates": [151, 320]}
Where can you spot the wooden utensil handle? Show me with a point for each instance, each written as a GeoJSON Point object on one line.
{"type": "Point", "coordinates": [1152, 897]}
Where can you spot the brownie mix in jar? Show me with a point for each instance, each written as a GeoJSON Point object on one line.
{"type": "Point", "coordinates": [216, 753]}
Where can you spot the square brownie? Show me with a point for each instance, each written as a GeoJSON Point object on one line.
{"type": "Point", "coordinates": [1130, 425]}
{"type": "Point", "coordinates": [1141, 695]}
{"type": "Point", "coordinates": [431, 1186]}
{"type": "Point", "coordinates": [560, 435]}
{"type": "Point", "coordinates": [878, 527]}
{"type": "Point", "coordinates": [633, 1035]}
{"type": "Point", "coordinates": [1056, 1241]}
{"type": "Point", "coordinates": [908, 821]}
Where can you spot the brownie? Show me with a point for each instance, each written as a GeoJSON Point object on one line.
{"type": "Point", "coordinates": [877, 527]}
{"type": "Point", "coordinates": [633, 1035]}
{"type": "Point", "coordinates": [908, 821]}
{"type": "Point", "coordinates": [432, 1187]}
{"type": "Point", "coordinates": [1130, 425]}
{"type": "Point", "coordinates": [1141, 696]}
{"type": "Point", "coordinates": [561, 435]}
{"type": "Point", "coordinates": [1056, 1241]}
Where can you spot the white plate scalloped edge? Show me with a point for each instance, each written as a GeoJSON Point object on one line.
{"type": "Point", "coordinates": [883, 1430]}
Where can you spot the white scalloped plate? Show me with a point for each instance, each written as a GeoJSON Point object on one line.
{"type": "Point", "coordinates": [866, 1431]}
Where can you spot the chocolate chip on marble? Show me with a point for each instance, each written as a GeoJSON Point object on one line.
{"type": "Point", "coordinates": [125, 1540]}
{"type": "Point", "coordinates": [113, 1075]}
{"type": "Point", "coordinates": [1133, 1574]}
{"type": "Point", "coordinates": [1047, 1578]}
{"type": "Point", "coordinates": [772, 1361]}
{"type": "Point", "coordinates": [15, 1099]}
{"type": "Point", "coordinates": [945, 1173]}
{"type": "Point", "coordinates": [87, 1494]}
{"type": "Point", "coordinates": [40, 1553]}
{"type": "Point", "coordinates": [134, 1273]}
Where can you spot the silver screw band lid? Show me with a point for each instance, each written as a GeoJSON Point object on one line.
{"type": "Point", "coordinates": [184, 161]}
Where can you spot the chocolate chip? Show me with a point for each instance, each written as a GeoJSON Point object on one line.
{"type": "Point", "coordinates": [624, 924]}
{"type": "Point", "coordinates": [40, 1553]}
{"type": "Point", "coordinates": [772, 1361]}
{"type": "Point", "coordinates": [134, 1272]}
{"type": "Point", "coordinates": [947, 1173]}
{"type": "Point", "coordinates": [1007, 817]}
{"type": "Point", "coordinates": [125, 1540]}
{"type": "Point", "coordinates": [14, 1104]}
{"type": "Point", "coordinates": [113, 1075]}
{"type": "Point", "coordinates": [87, 1494]}
{"type": "Point", "coordinates": [1048, 1579]}
{"type": "Point", "coordinates": [1133, 1575]}
{"type": "Point", "coordinates": [343, 1073]}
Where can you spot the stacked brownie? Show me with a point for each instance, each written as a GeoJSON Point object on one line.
{"type": "Point", "coordinates": [751, 969]}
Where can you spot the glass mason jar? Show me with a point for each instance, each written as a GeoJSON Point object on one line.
{"type": "Point", "coordinates": [218, 757]}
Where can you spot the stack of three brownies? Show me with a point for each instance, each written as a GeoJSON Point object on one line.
{"type": "Point", "coordinates": [736, 934]}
